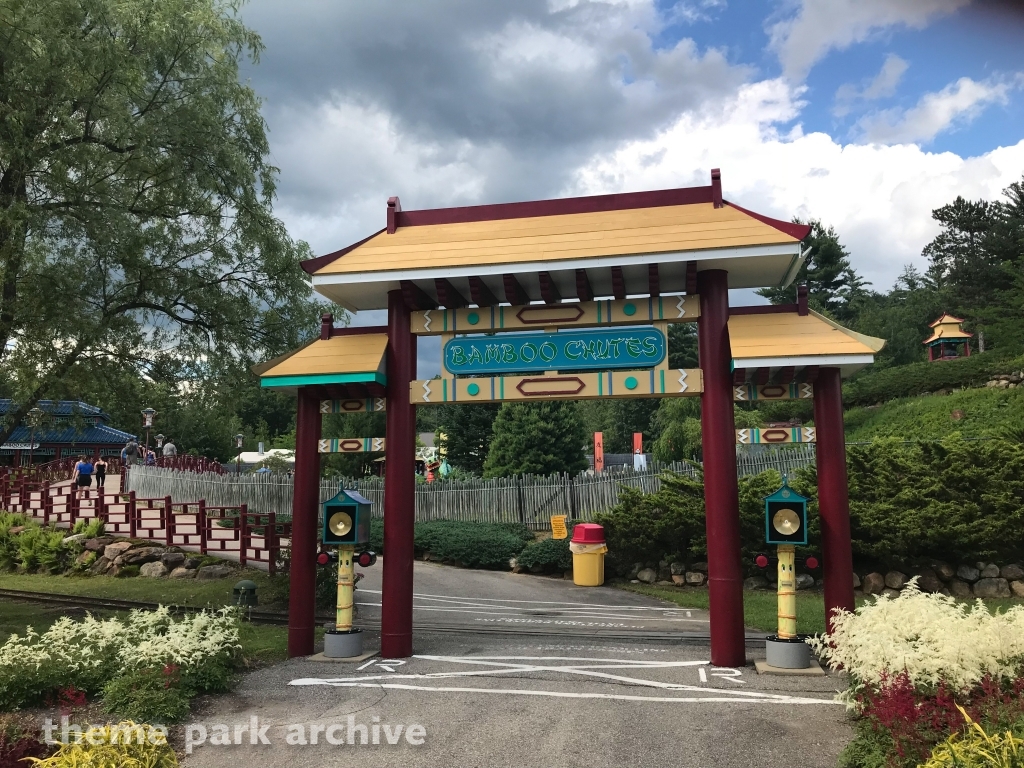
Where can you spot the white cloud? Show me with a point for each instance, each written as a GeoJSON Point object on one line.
{"type": "Point", "coordinates": [881, 86]}
{"type": "Point", "coordinates": [878, 197]}
{"type": "Point", "coordinates": [956, 104]}
{"type": "Point", "coordinates": [819, 26]}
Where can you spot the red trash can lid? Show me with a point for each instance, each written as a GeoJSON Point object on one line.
{"type": "Point", "coordinates": [588, 533]}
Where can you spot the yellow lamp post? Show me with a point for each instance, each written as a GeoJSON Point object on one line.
{"type": "Point", "coordinates": [786, 527]}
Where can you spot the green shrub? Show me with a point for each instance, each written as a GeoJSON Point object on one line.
{"type": "Point", "coordinates": [548, 554]}
{"type": "Point", "coordinates": [128, 571]}
{"type": "Point", "coordinates": [90, 529]}
{"type": "Point", "coordinates": [44, 549]}
{"type": "Point", "coordinates": [118, 745]}
{"type": "Point", "coordinates": [9, 559]}
{"type": "Point", "coordinates": [147, 695]}
{"type": "Point", "coordinates": [471, 544]}
{"type": "Point", "coordinates": [878, 386]}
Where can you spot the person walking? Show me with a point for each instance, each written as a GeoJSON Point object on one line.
{"type": "Point", "coordinates": [82, 477]}
{"type": "Point", "coordinates": [170, 449]}
{"type": "Point", "coordinates": [150, 458]}
{"type": "Point", "coordinates": [130, 454]}
{"type": "Point", "coordinates": [99, 469]}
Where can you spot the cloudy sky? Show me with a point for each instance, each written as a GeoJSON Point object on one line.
{"type": "Point", "coordinates": [866, 114]}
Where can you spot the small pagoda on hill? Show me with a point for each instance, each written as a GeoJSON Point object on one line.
{"type": "Point", "coordinates": [949, 340]}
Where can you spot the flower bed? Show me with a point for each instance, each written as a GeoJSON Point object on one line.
{"type": "Point", "coordinates": [921, 664]}
{"type": "Point", "coordinates": [144, 664]}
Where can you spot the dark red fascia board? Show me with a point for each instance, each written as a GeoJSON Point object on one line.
{"type": "Point", "coordinates": [358, 330]}
{"type": "Point", "coordinates": [309, 266]}
{"type": "Point", "coordinates": [799, 231]}
{"type": "Point", "coordinates": [591, 204]}
{"type": "Point", "coordinates": [766, 309]}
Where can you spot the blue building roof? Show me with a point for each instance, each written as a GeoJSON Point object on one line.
{"type": "Point", "coordinates": [58, 408]}
{"type": "Point", "coordinates": [69, 423]}
{"type": "Point", "coordinates": [65, 434]}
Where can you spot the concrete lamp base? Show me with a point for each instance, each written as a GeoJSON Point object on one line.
{"type": "Point", "coordinates": [343, 645]}
{"type": "Point", "coordinates": [787, 653]}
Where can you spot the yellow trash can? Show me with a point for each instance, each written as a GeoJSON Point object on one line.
{"type": "Point", "coordinates": [588, 550]}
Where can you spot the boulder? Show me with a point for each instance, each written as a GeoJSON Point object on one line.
{"type": "Point", "coordinates": [873, 584]}
{"type": "Point", "coordinates": [944, 571]}
{"type": "Point", "coordinates": [680, 580]}
{"type": "Point", "coordinates": [98, 544]}
{"type": "Point", "coordinates": [141, 555]}
{"type": "Point", "coordinates": [804, 581]}
{"type": "Point", "coordinates": [702, 567]}
{"type": "Point", "coordinates": [647, 575]}
{"type": "Point", "coordinates": [83, 557]}
{"type": "Point", "coordinates": [117, 548]}
{"type": "Point", "coordinates": [193, 562]}
{"type": "Point", "coordinates": [172, 559]}
{"type": "Point", "coordinates": [856, 581]}
{"type": "Point", "coordinates": [101, 565]}
{"type": "Point", "coordinates": [991, 587]}
{"type": "Point", "coordinates": [637, 567]}
{"type": "Point", "coordinates": [1012, 572]}
{"type": "Point", "coordinates": [153, 570]}
{"type": "Point", "coordinates": [990, 571]}
{"type": "Point", "coordinates": [928, 581]}
{"type": "Point", "coordinates": [664, 573]}
{"type": "Point", "coordinates": [1017, 587]}
{"type": "Point", "coordinates": [960, 589]}
{"type": "Point", "coordinates": [182, 573]}
{"type": "Point", "coordinates": [678, 569]}
{"type": "Point", "coordinates": [895, 580]}
{"type": "Point", "coordinates": [213, 572]}
{"type": "Point", "coordinates": [665, 583]}
{"type": "Point", "coordinates": [696, 578]}
{"type": "Point", "coordinates": [755, 582]}
{"type": "Point", "coordinates": [14, 530]}
{"type": "Point", "coordinates": [890, 592]}
{"type": "Point", "coordinates": [968, 573]}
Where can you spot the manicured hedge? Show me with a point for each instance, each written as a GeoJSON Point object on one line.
{"type": "Point", "coordinates": [547, 554]}
{"type": "Point", "coordinates": [470, 544]}
{"type": "Point", "coordinates": [879, 386]}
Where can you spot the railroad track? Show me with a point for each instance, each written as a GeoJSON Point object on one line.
{"type": "Point", "coordinates": [281, 619]}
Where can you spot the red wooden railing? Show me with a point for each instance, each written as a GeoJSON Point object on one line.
{"type": "Point", "coordinates": [254, 538]}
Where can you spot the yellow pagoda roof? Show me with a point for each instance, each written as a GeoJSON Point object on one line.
{"type": "Point", "coordinates": [947, 328]}
{"type": "Point", "coordinates": [342, 359]}
{"type": "Point", "coordinates": [788, 339]}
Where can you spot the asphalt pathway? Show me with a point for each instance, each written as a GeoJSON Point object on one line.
{"type": "Point", "coordinates": [484, 689]}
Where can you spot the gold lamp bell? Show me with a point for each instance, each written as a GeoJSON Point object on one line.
{"type": "Point", "coordinates": [340, 523]}
{"type": "Point", "coordinates": [786, 522]}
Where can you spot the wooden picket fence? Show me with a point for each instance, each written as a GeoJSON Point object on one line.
{"type": "Point", "coordinates": [230, 531]}
{"type": "Point", "coordinates": [526, 499]}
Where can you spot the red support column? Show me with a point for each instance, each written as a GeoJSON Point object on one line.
{"type": "Point", "coordinates": [721, 494]}
{"type": "Point", "coordinates": [399, 485]}
{"type": "Point", "coordinates": [833, 493]}
{"type": "Point", "coordinates": [305, 510]}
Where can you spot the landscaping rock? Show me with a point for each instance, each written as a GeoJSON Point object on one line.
{"type": "Point", "coordinates": [695, 578]}
{"type": "Point", "coordinates": [804, 581]}
{"type": "Point", "coordinates": [968, 573]}
{"type": "Point", "coordinates": [213, 572]}
{"type": "Point", "coordinates": [75, 537]}
{"type": "Point", "coordinates": [193, 562]}
{"type": "Point", "coordinates": [960, 589]}
{"type": "Point", "coordinates": [117, 548]}
{"type": "Point", "coordinates": [98, 544]}
{"type": "Point", "coordinates": [1012, 572]}
{"type": "Point", "coordinates": [83, 557]}
{"type": "Point", "coordinates": [755, 582]}
{"type": "Point", "coordinates": [856, 581]}
{"type": "Point", "coordinates": [517, 568]}
{"type": "Point", "coordinates": [182, 573]}
{"type": "Point", "coordinates": [895, 580]}
{"type": "Point", "coordinates": [664, 573]}
{"type": "Point", "coordinates": [14, 530]}
{"type": "Point", "coordinates": [1017, 587]}
{"type": "Point", "coordinates": [992, 588]}
{"type": "Point", "coordinates": [101, 565]}
{"type": "Point", "coordinates": [141, 555]}
{"type": "Point", "coordinates": [890, 592]}
{"type": "Point", "coordinates": [873, 584]}
{"type": "Point", "coordinates": [928, 581]}
{"type": "Point", "coordinates": [665, 583]}
{"type": "Point", "coordinates": [678, 569]}
{"type": "Point", "coordinates": [680, 580]}
{"type": "Point", "coordinates": [172, 559]}
{"type": "Point", "coordinates": [153, 570]}
{"type": "Point", "coordinates": [637, 567]}
{"type": "Point", "coordinates": [702, 567]}
{"type": "Point", "coordinates": [944, 571]}
{"type": "Point", "coordinates": [647, 576]}
{"type": "Point", "coordinates": [990, 571]}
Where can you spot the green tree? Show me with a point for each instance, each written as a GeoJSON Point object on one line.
{"type": "Point", "coordinates": [536, 438]}
{"type": "Point", "coordinates": [135, 194]}
{"type": "Point", "coordinates": [959, 257]}
{"type": "Point", "coordinates": [833, 287]}
{"type": "Point", "coordinates": [465, 433]}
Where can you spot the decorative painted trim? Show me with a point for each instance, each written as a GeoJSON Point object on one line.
{"type": "Point", "coordinates": [748, 393]}
{"type": "Point", "coordinates": [352, 445]}
{"type": "Point", "coordinates": [369, 405]}
{"type": "Point", "coordinates": [325, 378]}
{"type": "Point", "coordinates": [775, 436]}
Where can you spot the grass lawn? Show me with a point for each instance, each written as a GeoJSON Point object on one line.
{"type": "Point", "coordinates": [193, 593]}
{"type": "Point", "coordinates": [760, 606]}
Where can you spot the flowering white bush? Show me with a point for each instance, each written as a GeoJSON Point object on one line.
{"type": "Point", "coordinates": [87, 654]}
{"type": "Point", "coordinates": [930, 637]}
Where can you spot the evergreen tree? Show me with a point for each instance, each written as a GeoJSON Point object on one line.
{"type": "Point", "coordinates": [465, 433]}
{"type": "Point", "coordinates": [536, 438]}
{"type": "Point", "coordinates": [682, 345]}
{"type": "Point", "coordinates": [629, 416]}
